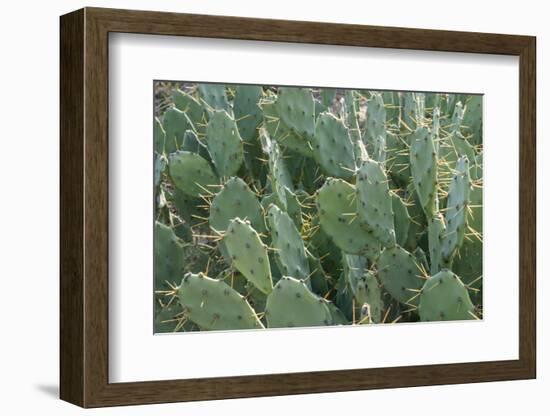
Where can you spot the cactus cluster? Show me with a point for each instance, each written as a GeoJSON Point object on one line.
{"type": "Point", "coordinates": [297, 207]}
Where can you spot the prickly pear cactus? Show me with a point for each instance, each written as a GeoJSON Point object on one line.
{"type": "Point", "coordinates": [424, 170]}
{"type": "Point", "coordinates": [445, 298]}
{"type": "Point", "coordinates": [212, 304]}
{"type": "Point", "coordinates": [333, 149]}
{"type": "Point", "coordinates": [339, 219]}
{"type": "Point", "coordinates": [289, 247]}
{"type": "Point", "coordinates": [235, 199]}
{"type": "Point", "coordinates": [191, 173]}
{"type": "Point", "coordinates": [224, 143]}
{"type": "Point", "coordinates": [292, 304]}
{"type": "Point", "coordinates": [401, 274]}
{"type": "Point", "coordinates": [279, 207]}
{"type": "Point", "coordinates": [374, 202]}
{"type": "Point", "coordinates": [248, 253]}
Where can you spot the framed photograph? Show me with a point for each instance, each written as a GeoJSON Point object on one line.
{"type": "Point", "coordinates": [256, 207]}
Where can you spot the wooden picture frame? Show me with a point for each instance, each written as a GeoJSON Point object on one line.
{"type": "Point", "coordinates": [84, 207]}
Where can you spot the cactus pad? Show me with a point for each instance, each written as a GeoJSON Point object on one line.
{"type": "Point", "coordinates": [445, 298]}
{"type": "Point", "coordinates": [289, 246]}
{"type": "Point", "coordinates": [248, 253]}
{"type": "Point", "coordinates": [296, 107]}
{"type": "Point", "coordinates": [175, 123]}
{"type": "Point", "coordinates": [401, 219]}
{"type": "Point", "coordinates": [424, 170]}
{"type": "Point", "coordinates": [214, 96]}
{"type": "Point", "coordinates": [168, 256]}
{"type": "Point", "coordinates": [401, 275]}
{"type": "Point", "coordinates": [214, 305]}
{"type": "Point", "coordinates": [456, 214]}
{"type": "Point", "coordinates": [292, 304]}
{"type": "Point", "coordinates": [374, 202]}
{"type": "Point", "coordinates": [235, 199]}
{"type": "Point", "coordinates": [338, 218]}
{"type": "Point", "coordinates": [191, 173]}
{"type": "Point", "coordinates": [333, 148]}
{"type": "Point", "coordinates": [224, 143]}
{"type": "Point", "coordinates": [247, 111]}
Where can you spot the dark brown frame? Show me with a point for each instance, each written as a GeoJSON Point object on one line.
{"type": "Point", "coordinates": [84, 209]}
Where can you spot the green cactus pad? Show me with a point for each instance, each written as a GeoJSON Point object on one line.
{"type": "Point", "coordinates": [293, 207]}
{"type": "Point", "coordinates": [292, 304]}
{"type": "Point", "coordinates": [456, 214]}
{"type": "Point", "coordinates": [318, 278]}
{"type": "Point", "coordinates": [412, 112]}
{"type": "Point", "coordinates": [289, 247]}
{"type": "Point", "coordinates": [175, 124]}
{"type": "Point", "coordinates": [169, 258]}
{"type": "Point", "coordinates": [191, 173]}
{"type": "Point", "coordinates": [213, 305]}
{"type": "Point", "coordinates": [421, 259]}
{"type": "Point", "coordinates": [281, 181]}
{"type": "Point", "coordinates": [365, 288]}
{"type": "Point", "coordinates": [248, 253]}
{"type": "Point", "coordinates": [166, 317]}
{"type": "Point", "coordinates": [344, 299]}
{"type": "Point", "coordinates": [397, 158]}
{"type": "Point", "coordinates": [374, 202]}
{"type": "Point", "coordinates": [337, 209]}
{"type": "Point", "coordinates": [392, 106]}
{"type": "Point", "coordinates": [418, 218]}
{"type": "Point", "coordinates": [159, 136]}
{"type": "Point", "coordinates": [355, 268]}
{"type": "Point", "coordinates": [372, 297]}
{"type": "Point", "coordinates": [214, 96]}
{"type": "Point", "coordinates": [191, 143]}
{"type": "Point", "coordinates": [333, 148]}
{"type": "Point", "coordinates": [473, 118]}
{"type": "Point", "coordinates": [224, 143]}
{"type": "Point", "coordinates": [281, 133]}
{"type": "Point", "coordinates": [445, 298]}
{"type": "Point", "coordinates": [469, 261]}
{"type": "Point", "coordinates": [401, 275]}
{"type": "Point", "coordinates": [424, 170]}
{"type": "Point", "coordinates": [235, 199]}
{"type": "Point", "coordinates": [247, 111]}
{"type": "Point", "coordinates": [296, 107]}
{"type": "Point", "coordinates": [187, 207]}
{"type": "Point", "coordinates": [376, 121]}
{"type": "Point", "coordinates": [352, 120]}
{"type": "Point", "coordinates": [379, 149]}
{"type": "Point", "coordinates": [401, 219]}
{"type": "Point", "coordinates": [436, 233]}
{"type": "Point", "coordinates": [190, 106]}
{"type": "Point", "coordinates": [337, 316]}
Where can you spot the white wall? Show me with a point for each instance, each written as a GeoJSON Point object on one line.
{"type": "Point", "coordinates": [29, 209]}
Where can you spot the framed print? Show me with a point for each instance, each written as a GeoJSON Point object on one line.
{"type": "Point", "coordinates": [256, 207]}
